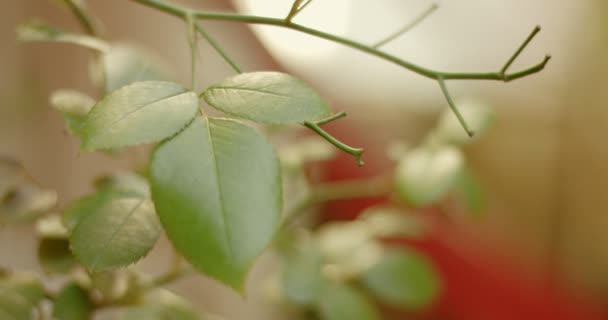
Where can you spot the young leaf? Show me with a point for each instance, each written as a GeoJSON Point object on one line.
{"type": "Point", "coordinates": [74, 106]}
{"type": "Point", "coordinates": [340, 302]}
{"type": "Point", "coordinates": [268, 97]}
{"type": "Point", "coordinates": [126, 64]}
{"type": "Point", "coordinates": [72, 303]}
{"type": "Point", "coordinates": [118, 233]}
{"type": "Point", "coordinates": [39, 31]}
{"type": "Point", "coordinates": [426, 173]}
{"type": "Point", "coordinates": [403, 278]}
{"type": "Point", "coordinates": [217, 190]}
{"type": "Point", "coordinates": [143, 112]}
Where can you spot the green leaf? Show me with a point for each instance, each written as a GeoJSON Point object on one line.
{"type": "Point", "coordinates": [162, 305]}
{"type": "Point", "coordinates": [20, 293]}
{"type": "Point", "coordinates": [302, 280]}
{"type": "Point", "coordinates": [126, 64]}
{"type": "Point", "coordinates": [427, 173]}
{"type": "Point", "coordinates": [84, 206]}
{"type": "Point", "coordinates": [72, 303]}
{"type": "Point", "coordinates": [126, 183]}
{"type": "Point", "coordinates": [340, 302]}
{"type": "Point", "coordinates": [143, 112]}
{"type": "Point", "coordinates": [217, 190]}
{"type": "Point", "coordinates": [118, 233]}
{"type": "Point", "coordinates": [268, 97]}
{"type": "Point", "coordinates": [74, 107]}
{"type": "Point", "coordinates": [21, 199]}
{"type": "Point", "coordinates": [471, 192]}
{"type": "Point", "coordinates": [40, 31]}
{"type": "Point", "coordinates": [403, 278]}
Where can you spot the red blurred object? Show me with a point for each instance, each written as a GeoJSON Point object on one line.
{"type": "Point", "coordinates": [477, 284]}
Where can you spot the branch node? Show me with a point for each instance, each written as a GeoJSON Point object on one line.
{"type": "Point", "coordinates": [315, 126]}
{"type": "Point", "coordinates": [519, 50]}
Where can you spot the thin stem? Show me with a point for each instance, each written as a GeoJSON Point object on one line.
{"type": "Point", "coordinates": [448, 97]}
{"type": "Point", "coordinates": [331, 118]}
{"type": "Point", "coordinates": [361, 188]}
{"type": "Point", "coordinates": [86, 21]}
{"type": "Point", "coordinates": [356, 152]}
{"type": "Point", "coordinates": [409, 26]}
{"type": "Point", "coordinates": [217, 47]}
{"type": "Point", "coordinates": [520, 49]}
{"type": "Point", "coordinates": [294, 10]}
{"type": "Point", "coordinates": [193, 50]}
{"type": "Point", "coordinates": [429, 73]}
{"type": "Point", "coordinates": [302, 7]}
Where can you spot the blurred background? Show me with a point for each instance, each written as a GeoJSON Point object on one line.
{"type": "Point", "coordinates": [543, 164]}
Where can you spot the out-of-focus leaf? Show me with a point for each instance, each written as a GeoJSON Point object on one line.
{"type": "Point", "coordinates": [268, 97]}
{"type": "Point", "coordinates": [114, 284]}
{"type": "Point", "coordinates": [389, 221]}
{"type": "Point", "coordinates": [21, 200]}
{"type": "Point", "coordinates": [74, 106]}
{"type": "Point", "coordinates": [302, 280]}
{"type": "Point", "coordinates": [479, 117]}
{"type": "Point", "coordinates": [20, 293]}
{"type": "Point", "coordinates": [348, 248]}
{"type": "Point", "coordinates": [40, 31]}
{"type": "Point", "coordinates": [162, 304]}
{"type": "Point", "coordinates": [217, 189]}
{"type": "Point", "coordinates": [340, 302]}
{"type": "Point", "coordinates": [403, 278]}
{"type": "Point", "coordinates": [126, 183]}
{"type": "Point", "coordinates": [116, 234]}
{"type": "Point", "coordinates": [470, 191]}
{"type": "Point", "coordinates": [126, 64]}
{"type": "Point", "coordinates": [72, 303]}
{"type": "Point", "coordinates": [426, 173]}
{"type": "Point", "coordinates": [54, 253]}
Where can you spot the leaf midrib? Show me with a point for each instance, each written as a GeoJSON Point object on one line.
{"type": "Point", "coordinates": [220, 190]}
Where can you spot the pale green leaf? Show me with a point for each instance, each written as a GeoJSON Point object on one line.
{"type": "Point", "coordinates": [72, 303]}
{"type": "Point", "coordinates": [162, 304]}
{"type": "Point", "coordinates": [425, 174]}
{"type": "Point", "coordinates": [118, 233]}
{"type": "Point", "coordinates": [74, 106]}
{"type": "Point", "coordinates": [268, 97]}
{"type": "Point", "coordinates": [217, 189]}
{"type": "Point", "coordinates": [403, 278]}
{"type": "Point", "coordinates": [126, 64]}
{"type": "Point", "coordinates": [40, 31]}
{"type": "Point", "coordinates": [302, 280]}
{"type": "Point", "coordinates": [390, 222]}
{"type": "Point", "coordinates": [471, 192]}
{"type": "Point", "coordinates": [340, 302]}
{"type": "Point", "coordinates": [143, 112]}
{"type": "Point", "coordinates": [21, 199]}
{"type": "Point", "coordinates": [20, 293]}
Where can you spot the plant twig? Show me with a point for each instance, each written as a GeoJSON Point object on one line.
{"type": "Point", "coordinates": [429, 73]}
{"type": "Point", "coordinates": [520, 49]}
{"type": "Point", "coordinates": [80, 12]}
{"type": "Point", "coordinates": [409, 26]}
{"type": "Point", "coordinates": [315, 126]}
{"type": "Point", "coordinates": [193, 50]}
{"type": "Point", "coordinates": [217, 48]}
{"type": "Point", "coordinates": [448, 97]}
